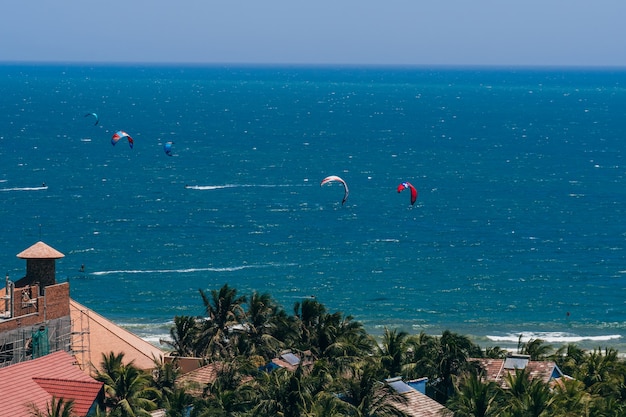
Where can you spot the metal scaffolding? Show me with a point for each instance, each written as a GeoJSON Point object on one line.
{"type": "Point", "coordinates": [80, 338]}
{"type": "Point", "coordinates": [29, 342]}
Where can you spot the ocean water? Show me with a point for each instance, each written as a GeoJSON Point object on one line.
{"type": "Point", "coordinates": [518, 229]}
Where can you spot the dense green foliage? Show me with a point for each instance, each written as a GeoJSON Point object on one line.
{"type": "Point", "coordinates": [347, 368]}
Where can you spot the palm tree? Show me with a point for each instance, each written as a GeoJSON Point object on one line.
{"type": "Point", "coordinates": [568, 358]}
{"type": "Point", "coordinates": [363, 390]}
{"type": "Point", "coordinates": [517, 383]}
{"type": "Point", "coordinates": [599, 372]}
{"type": "Point", "coordinates": [337, 332]}
{"type": "Point", "coordinates": [326, 404]}
{"type": "Point", "coordinates": [111, 363]}
{"type": "Point", "coordinates": [334, 337]}
{"type": "Point", "coordinates": [262, 320]}
{"type": "Point", "coordinates": [349, 348]}
{"type": "Point", "coordinates": [128, 390]}
{"type": "Point", "coordinates": [537, 349]}
{"type": "Point", "coordinates": [453, 352]}
{"type": "Point", "coordinates": [308, 315]}
{"type": "Point", "coordinates": [164, 377]}
{"type": "Point", "coordinates": [392, 351]}
{"type": "Point", "coordinates": [527, 397]}
{"type": "Point", "coordinates": [225, 397]}
{"type": "Point", "coordinates": [286, 328]}
{"type": "Point", "coordinates": [183, 335]}
{"type": "Point", "coordinates": [422, 351]}
{"type": "Point", "coordinates": [224, 307]}
{"type": "Point", "coordinates": [475, 398]}
{"type": "Point", "coordinates": [224, 310]}
{"type": "Point", "coordinates": [571, 399]}
{"type": "Point", "coordinates": [495, 352]}
{"type": "Point", "coordinates": [539, 399]}
{"type": "Point", "coordinates": [282, 393]}
{"type": "Point", "coordinates": [177, 403]}
{"type": "Point", "coordinates": [55, 408]}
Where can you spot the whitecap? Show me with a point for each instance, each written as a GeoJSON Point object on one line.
{"type": "Point", "coordinates": [187, 270]}
{"type": "Point", "coordinates": [25, 188]}
{"type": "Point", "coordinates": [223, 186]}
{"type": "Point", "coordinates": [551, 337]}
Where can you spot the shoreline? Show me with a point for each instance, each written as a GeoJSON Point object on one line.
{"type": "Point", "coordinates": [508, 341]}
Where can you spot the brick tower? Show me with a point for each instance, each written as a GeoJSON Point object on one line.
{"type": "Point", "coordinates": [40, 265]}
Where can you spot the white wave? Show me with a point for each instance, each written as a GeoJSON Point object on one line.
{"type": "Point", "coordinates": [223, 186]}
{"type": "Point", "coordinates": [25, 188]}
{"type": "Point", "coordinates": [209, 187]}
{"type": "Point", "coordinates": [83, 250]}
{"type": "Point", "coordinates": [551, 337]}
{"type": "Point", "coordinates": [153, 339]}
{"type": "Point", "coordinates": [156, 339]}
{"type": "Point", "coordinates": [146, 327]}
{"type": "Point", "coordinates": [184, 270]}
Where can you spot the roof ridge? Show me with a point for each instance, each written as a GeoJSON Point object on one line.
{"type": "Point", "coordinates": [42, 378]}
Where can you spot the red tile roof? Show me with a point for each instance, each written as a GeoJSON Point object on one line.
{"type": "Point", "coordinates": [82, 392]}
{"type": "Point", "coordinates": [417, 404]}
{"type": "Point", "coordinates": [38, 380]}
{"type": "Point", "coordinates": [195, 381]}
{"type": "Point", "coordinates": [496, 370]}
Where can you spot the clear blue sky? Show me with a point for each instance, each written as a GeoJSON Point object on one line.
{"type": "Point", "coordinates": [353, 32]}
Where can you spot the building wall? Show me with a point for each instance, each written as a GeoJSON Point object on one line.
{"type": "Point", "coordinates": [184, 363]}
{"type": "Point", "coordinates": [42, 271]}
{"type": "Point", "coordinates": [33, 309]}
{"type": "Point", "coordinates": [57, 301]}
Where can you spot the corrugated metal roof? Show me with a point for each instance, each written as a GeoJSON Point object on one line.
{"type": "Point", "coordinates": [515, 362]}
{"type": "Point", "coordinates": [399, 385]}
{"type": "Point", "coordinates": [40, 251]}
{"type": "Point", "coordinates": [290, 358]}
{"type": "Point", "coordinates": [26, 383]}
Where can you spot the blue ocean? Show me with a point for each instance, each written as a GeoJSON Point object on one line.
{"type": "Point", "coordinates": [519, 226]}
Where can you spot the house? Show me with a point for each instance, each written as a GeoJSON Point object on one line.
{"type": "Point", "coordinates": [34, 310]}
{"type": "Point", "coordinates": [95, 335]}
{"type": "Point", "coordinates": [197, 380]}
{"type": "Point", "coordinates": [37, 317]}
{"type": "Point", "coordinates": [290, 360]}
{"type": "Point", "coordinates": [416, 403]}
{"type": "Point", "coordinates": [496, 370]}
{"type": "Point", "coordinates": [194, 382]}
{"type": "Point", "coordinates": [33, 383]}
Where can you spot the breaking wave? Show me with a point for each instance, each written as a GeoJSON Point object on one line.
{"type": "Point", "coordinates": [551, 337]}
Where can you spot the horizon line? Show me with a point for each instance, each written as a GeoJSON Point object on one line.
{"type": "Point", "coordinates": [145, 64]}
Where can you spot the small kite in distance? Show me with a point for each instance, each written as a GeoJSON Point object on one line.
{"type": "Point", "coordinates": [336, 178]}
{"type": "Point", "coordinates": [407, 185]}
{"type": "Point", "coordinates": [168, 148]}
{"type": "Point", "coordinates": [94, 115]}
{"type": "Point", "coordinates": [120, 134]}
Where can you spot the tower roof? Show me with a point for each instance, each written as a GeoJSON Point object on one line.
{"type": "Point", "coordinates": [40, 251]}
